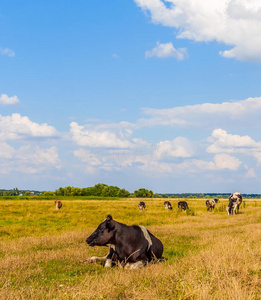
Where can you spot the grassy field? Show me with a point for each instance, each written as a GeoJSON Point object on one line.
{"type": "Point", "coordinates": [207, 255]}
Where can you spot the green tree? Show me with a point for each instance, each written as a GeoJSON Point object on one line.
{"type": "Point", "coordinates": [143, 193]}
{"type": "Point", "coordinates": [123, 193]}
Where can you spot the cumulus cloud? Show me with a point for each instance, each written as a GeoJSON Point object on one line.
{"type": "Point", "coordinates": [223, 142]}
{"type": "Point", "coordinates": [209, 114]}
{"type": "Point", "coordinates": [235, 23]}
{"type": "Point", "coordinates": [6, 51]}
{"type": "Point", "coordinates": [17, 127]}
{"type": "Point", "coordinates": [28, 159]}
{"type": "Point", "coordinates": [5, 100]}
{"type": "Point", "coordinates": [167, 50]}
{"type": "Point", "coordinates": [226, 161]}
{"type": "Point", "coordinates": [180, 147]}
{"type": "Point", "coordinates": [97, 137]}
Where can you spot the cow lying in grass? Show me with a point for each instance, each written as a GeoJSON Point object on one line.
{"type": "Point", "coordinates": [183, 205]}
{"type": "Point", "coordinates": [142, 205]}
{"type": "Point", "coordinates": [134, 246]}
{"type": "Point", "coordinates": [210, 204]}
{"type": "Point", "coordinates": [235, 200]}
{"type": "Point", "coordinates": [167, 205]}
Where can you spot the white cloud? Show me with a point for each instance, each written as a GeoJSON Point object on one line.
{"type": "Point", "coordinates": [18, 127]}
{"type": "Point", "coordinates": [28, 159]}
{"type": "Point", "coordinates": [223, 142]}
{"type": "Point", "coordinates": [5, 100]}
{"type": "Point", "coordinates": [6, 51]}
{"type": "Point", "coordinates": [96, 137]}
{"type": "Point", "coordinates": [235, 23]}
{"type": "Point", "coordinates": [226, 161]}
{"type": "Point", "coordinates": [206, 114]}
{"type": "Point", "coordinates": [180, 147]}
{"type": "Point", "coordinates": [167, 50]}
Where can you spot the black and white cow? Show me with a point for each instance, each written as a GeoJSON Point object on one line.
{"type": "Point", "coordinates": [210, 204]}
{"type": "Point", "coordinates": [235, 200]}
{"type": "Point", "coordinates": [130, 246]}
{"type": "Point", "coordinates": [167, 205]}
{"type": "Point", "coordinates": [183, 205]}
{"type": "Point", "coordinates": [142, 205]}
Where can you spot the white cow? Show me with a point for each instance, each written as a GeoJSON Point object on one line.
{"type": "Point", "coordinates": [235, 200]}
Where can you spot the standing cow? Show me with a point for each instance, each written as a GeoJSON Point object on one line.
{"type": "Point", "coordinates": [210, 204]}
{"type": "Point", "coordinates": [142, 205]}
{"type": "Point", "coordinates": [235, 200]}
{"type": "Point", "coordinates": [183, 205]}
{"type": "Point", "coordinates": [134, 246]}
{"type": "Point", "coordinates": [167, 205]}
{"type": "Point", "coordinates": [58, 204]}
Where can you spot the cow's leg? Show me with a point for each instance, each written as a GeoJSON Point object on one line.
{"type": "Point", "coordinates": [95, 259]}
{"type": "Point", "coordinates": [133, 266]}
{"type": "Point", "coordinates": [107, 258]}
{"type": "Point", "coordinates": [111, 258]}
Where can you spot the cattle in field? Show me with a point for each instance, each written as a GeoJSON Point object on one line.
{"type": "Point", "coordinates": [58, 204]}
{"type": "Point", "coordinates": [130, 246]}
{"type": "Point", "coordinates": [142, 205]}
{"type": "Point", "coordinates": [210, 204]}
{"type": "Point", "coordinates": [167, 205]}
{"type": "Point", "coordinates": [183, 205]}
{"type": "Point", "coordinates": [235, 200]}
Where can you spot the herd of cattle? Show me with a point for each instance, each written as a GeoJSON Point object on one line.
{"type": "Point", "coordinates": [235, 200]}
{"type": "Point", "coordinates": [134, 246]}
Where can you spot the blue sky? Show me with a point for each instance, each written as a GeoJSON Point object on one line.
{"type": "Point", "coordinates": [164, 95]}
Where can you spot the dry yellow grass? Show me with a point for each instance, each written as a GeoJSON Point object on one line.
{"type": "Point", "coordinates": [208, 255]}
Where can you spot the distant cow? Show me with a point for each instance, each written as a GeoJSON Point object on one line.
{"type": "Point", "coordinates": [58, 204]}
{"type": "Point", "coordinates": [167, 205]}
{"type": "Point", "coordinates": [142, 205]}
{"type": "Point", "coordinates": [134, 246]}
{"type": "Point", "coordinates": [183, 205]}
{"type": "Point", "coordinates": [235, 200]}
{"type": "Point", "coordinates": [210, 204]}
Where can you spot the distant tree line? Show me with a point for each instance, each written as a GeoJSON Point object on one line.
{"type": "Point", "coordinates": [104, 190]}
{"type": "Point", "coordinates": [99, 189]}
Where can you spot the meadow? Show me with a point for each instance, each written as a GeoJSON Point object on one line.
{"type": "Point", "coordinates": [206, 255]}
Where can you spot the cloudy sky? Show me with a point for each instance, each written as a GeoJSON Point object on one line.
{"type": "Point", "coordinates": [164, 95]}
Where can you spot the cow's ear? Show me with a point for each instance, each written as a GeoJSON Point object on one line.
{"type": "Point", "coordinates": [109, 224]}
{"type": "Point", "coordinates": [109, 218]}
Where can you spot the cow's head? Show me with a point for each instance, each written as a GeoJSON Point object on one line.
{"type": "Point", "coordinates": [104, 234]}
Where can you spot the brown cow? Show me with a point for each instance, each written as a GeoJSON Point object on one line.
{"type": "Point", "coordinates": [167, 205]}
{"type": "Point", "coordinates": [58, 204]}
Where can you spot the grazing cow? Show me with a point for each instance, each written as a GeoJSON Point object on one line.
{"type": "Point", "coordinates": [210, 204]}
{"type": "Point", "coordinates": [167, 205]}
{"type": "Point", "coordinates": [134, 246]}
{"type": "Point", "coordinates": [58, 204]}
{"type": "Point", "coordinates": [235, 200]}
{"type": "Point", "coordinates": [142, 205]}
{"type": "Point", "coordinates": [183, 205]}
